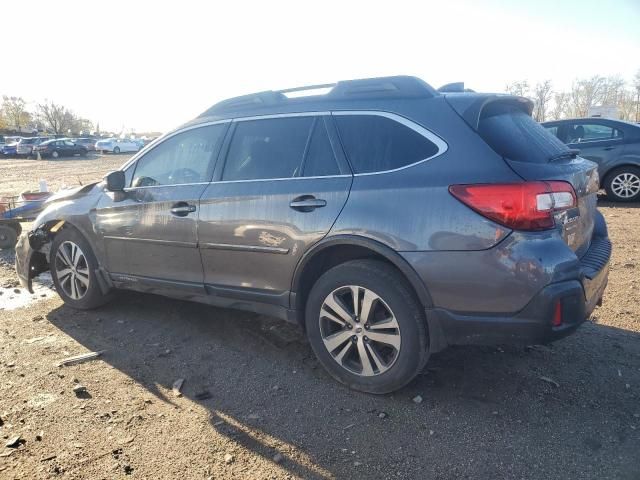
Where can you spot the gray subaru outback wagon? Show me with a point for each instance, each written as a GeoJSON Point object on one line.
{"type": "Point", "coordinates": [387, 218]}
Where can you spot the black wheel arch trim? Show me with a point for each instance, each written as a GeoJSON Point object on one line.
{"type": "Point", "coordinates": [377, 247]}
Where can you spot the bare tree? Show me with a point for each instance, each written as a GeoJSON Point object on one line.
{"type": "Point", "coordinates": [56, 118]}
{"type": "Point", "coordinates": [520, 88]}
{"type": "Point", "coordinates": [560, 105]}
{"type": "Point", "coordinates": [542, 96]}
{"type": "Point", "coordinates": [636, 86]}
{"type": "Point", "coordinates": [586, 93]}
{"type": "Point", "coordinates": [15, 112]}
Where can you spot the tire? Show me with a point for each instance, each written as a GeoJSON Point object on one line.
{"type": "Point", "coordinates": [623, 184]}
{"type": "Point", "coordinates": [76, 292]}
{"type": "Point", "coordinates": [393, 299]}
{"type": "Point", "coordinates": [55, 154]}
{"type": "Point", "coordinates": [116, 150]}
{"type": "Point", "coordinates": [17, 227]}
{"type": "Point", "coordinates": [8, 237]}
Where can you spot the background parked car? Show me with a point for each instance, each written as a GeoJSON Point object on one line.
{"type": "Point", "coordinates": [25, 145]}
{"type": "Point", "coordinates": [10, 147]}
{"type": "Point", "coordinates": [614, 145]}
{"type": "Point", "coordinates": [88, 143]}
{"type": "Point", "coordinates": [117, 145]}
{"type": "Point", "coordinates": [60, 147]}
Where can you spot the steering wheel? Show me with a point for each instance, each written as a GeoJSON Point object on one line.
{"type": "Point", "coordinates": [184, 175]}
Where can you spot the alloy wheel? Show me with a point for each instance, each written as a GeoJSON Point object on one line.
{"type": "Point", "coordinates": [72, 270]}
{"type": "Point", "coordinates": [626, 185]}
{"type": "Point", "coordinates": [359, 330]}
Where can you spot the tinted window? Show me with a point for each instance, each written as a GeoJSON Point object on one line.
{"type": "Point", "coordinates": [591, 133]}
{"type": "Point", "coordinates": [271, 148]}
{"type": "Point", "coordinates": [552, 130]}
{"type": "Point", "coordinates": [374, 143]}
{"type": "Point", "coordinates": [182, 158]}
{"type": "Point", "coordinates": [320, 160]}
{"type": "Point", "coordinates": [513, 134]}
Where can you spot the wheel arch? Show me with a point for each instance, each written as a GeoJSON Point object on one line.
{"type": "Point", "coordinates": [628, 162]}
{"type": "Point", "coordinates": [338, 249]}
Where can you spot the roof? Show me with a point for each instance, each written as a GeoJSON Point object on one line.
{"type": "Point", "coordinates": [343, 92]}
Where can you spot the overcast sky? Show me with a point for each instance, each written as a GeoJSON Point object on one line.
{"type": "Point", "coordinates": [152, 66]}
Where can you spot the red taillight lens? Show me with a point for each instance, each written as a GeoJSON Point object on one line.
{"type": "Point", "coordinates": [520, 206]}
{"type": "Point", "coordinates": [557, 314]}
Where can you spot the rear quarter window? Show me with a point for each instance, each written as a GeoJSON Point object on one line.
{"type": "Point", "coordinates": [513, 134]}
{"type": "Point", "coordinates": [374, 143]}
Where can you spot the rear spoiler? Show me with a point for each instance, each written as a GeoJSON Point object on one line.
{"type": "Point", "coordinates": [471, 105]}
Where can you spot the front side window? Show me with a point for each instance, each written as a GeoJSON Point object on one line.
{"type": "Point", "coordinates": [592, 132]}
{"type": "Point", "coordinates": [374, 143]}
{"type": "Point", "coordinates": [186, 157]}
{"type": "Point", "coordinates": [267, 148]}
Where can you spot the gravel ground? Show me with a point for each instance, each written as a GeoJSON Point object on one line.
{"type": "Point", "coordinates": [255, 403]}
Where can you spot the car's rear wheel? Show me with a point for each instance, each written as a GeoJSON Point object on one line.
{"type": "Point", "coordinates": [8, 237]}
{"type": "Point", "coordinates": [55, 154]}
{"type": "Point", "coordinates": [73, 268]}
{"type": "Point", "coordinates": [623, 184]}
{"type": "Point", "coordinates": [366, 326]}
{"type": "Point", "coordinates": [116, 150]}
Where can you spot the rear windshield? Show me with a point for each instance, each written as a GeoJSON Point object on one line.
{"type": "Point", "coordinates": [513, 134]}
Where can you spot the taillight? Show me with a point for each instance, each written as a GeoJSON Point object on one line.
{"type": "Point", "coordinates": [519, 206]}
{"type": "Point", "coordinates": [557, 314]}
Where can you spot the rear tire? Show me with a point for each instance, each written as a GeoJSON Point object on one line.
{"type": "Point", "coordinates": [116, 150]}
{"type": "Point", "coordinates": [73, 269]}
{"type": "Point", "coordinates": [55, 154]}
{"type": "Point", "coordinates": [8, 237]}
{"type": "Point", "coordinates": [623, 184]}
{"type": "Point", "coordinates": [377, 344]}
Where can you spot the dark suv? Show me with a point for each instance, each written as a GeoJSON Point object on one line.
{"type": "Point", "coordinates": [387, 218]}
{"type": "Point", "coordinates": [613, 144]}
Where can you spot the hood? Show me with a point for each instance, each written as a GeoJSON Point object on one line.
{"type": "Point", "coordinates": [71, 193]}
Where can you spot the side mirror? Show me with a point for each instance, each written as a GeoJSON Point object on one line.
{"type": "Point", "coordinates": [115, 181]}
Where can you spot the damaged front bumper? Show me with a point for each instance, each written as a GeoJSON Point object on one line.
{"type": "Point", "coordinates": [30, 261]}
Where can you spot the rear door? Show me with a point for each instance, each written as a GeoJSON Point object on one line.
{"type": "Point", "coordinates": [279, 191]}
{"type": "Point", "coordinates": [151, 234]}
{"type": "Point", "coordinates": [535, 154]}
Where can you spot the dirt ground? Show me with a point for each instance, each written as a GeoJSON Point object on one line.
{"type": "Point", "coordinates": [255, 403]}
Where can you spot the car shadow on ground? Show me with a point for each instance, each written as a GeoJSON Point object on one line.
{"type": "Point", "coordinates": [264, 390]}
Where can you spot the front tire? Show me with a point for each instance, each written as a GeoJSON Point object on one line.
{"type": "Point", "coordinates": [73, 269]}
{"type": "Point", "coordinates": [116, 150]}
{"type": "Point", "coordinates": [366, 327]}
{"type": "Point", "coordinates": [8, 237]}
{"type": "Point", "coordinates": [623, 184]}
{"type": "Point", "coordinates": [55, 154]}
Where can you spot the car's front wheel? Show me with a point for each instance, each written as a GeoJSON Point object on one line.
{"type": "Point", "coordinates": [116, 150]}
{"type": "Point", "coordinates": [366, 326]}
{"type": "Point", "coordinates": [55, 154]}
{"type": "Point", "coordinates": [623, 184]}
{"type": "Point", "coordinates": [73, 268]}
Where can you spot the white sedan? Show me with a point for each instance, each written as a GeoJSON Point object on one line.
{"type": "Point", "coordinates": [117, 145]}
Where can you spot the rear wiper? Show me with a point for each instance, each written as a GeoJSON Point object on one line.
{"type": "Point", "coordinates": [571, 153]}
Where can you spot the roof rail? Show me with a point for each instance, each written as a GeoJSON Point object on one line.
{"type": "Point", "coordinates": [383, 87]}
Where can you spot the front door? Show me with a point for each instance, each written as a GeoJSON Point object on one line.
{"type": "Point", "coordinates": [597, 141]}
{"type": "Point", "coordinates": [151, 234]}
{"type": "Point", "coordinates": [280, 190]}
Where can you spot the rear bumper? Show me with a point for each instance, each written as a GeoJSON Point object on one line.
{"type": "Point", "coordinates": [533, 324]}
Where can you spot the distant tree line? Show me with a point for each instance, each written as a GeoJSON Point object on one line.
{"type": "Point", "coordinates": [48, 116]}
{"type": "Point", "coordinates": [586, 93]}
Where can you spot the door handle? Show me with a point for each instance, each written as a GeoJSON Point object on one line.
{"type": "Point", "coordinates": [182, 209]}
{"type": "Point", "coordinates": [307, 203]}
{"type": "Point", "coordinates": [608, 148]}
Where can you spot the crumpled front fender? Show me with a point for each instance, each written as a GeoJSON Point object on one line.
{"type": "Point", "coordinates": [24, 256]}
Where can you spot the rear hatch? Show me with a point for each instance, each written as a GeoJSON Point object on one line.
{"type": "Point", "coordinates": [505, 124]}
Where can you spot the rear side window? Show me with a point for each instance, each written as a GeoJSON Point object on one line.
{"type": "Point", "coordinates": [513, 134]}
{"type": "Point", "coordinates": [375, 144]}
{"type": "Point", "coordinates": [269, 148]}
{"type": "Point", "coordinates": [320, 161]}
